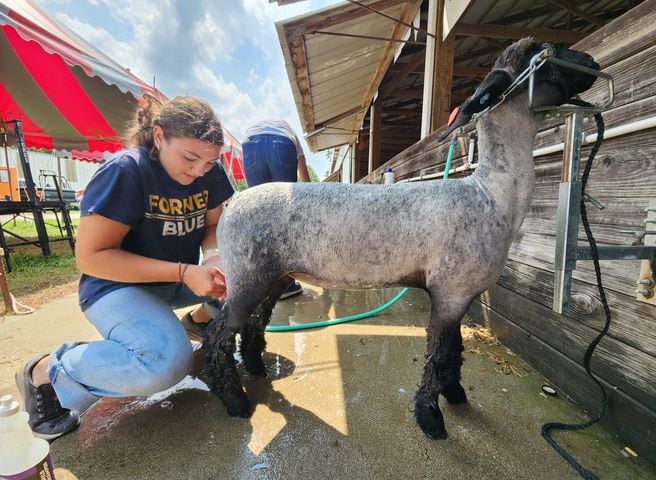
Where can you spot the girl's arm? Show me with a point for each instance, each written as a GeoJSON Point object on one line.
{"type": "Point", "coordinates": [98, 253]}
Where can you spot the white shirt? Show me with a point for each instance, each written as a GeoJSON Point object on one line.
{"type": "Point", "coordinates": [275, 126]}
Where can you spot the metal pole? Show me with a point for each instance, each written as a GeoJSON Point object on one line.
{"type": "Point", "coordinates": [4, 144]}
{"type": "Point", "coordinates": [569, 205]}
{"type": "Point", "coordinates": [37, 211]}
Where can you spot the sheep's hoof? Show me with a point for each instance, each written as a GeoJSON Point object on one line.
{"type": "Point", "coordinates": [430, 421]}
{"type": "Point", "coordinates": [455, 394]}
{"type": "Point", "coordinates": [237, 404]}
{"type": "Point", "coordinates": [255, 366]}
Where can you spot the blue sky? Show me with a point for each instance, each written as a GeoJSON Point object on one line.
{"type": "Point", "coordinates": [224, 51]}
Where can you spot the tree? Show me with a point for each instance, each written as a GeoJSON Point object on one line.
{"type": "Point", "coordinates": [313, 175]}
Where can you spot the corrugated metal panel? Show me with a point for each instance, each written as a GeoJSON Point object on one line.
{"type": "Point", "coordinates": [334, 78]}
{"type": "Point", "coordinates": [47, 161]}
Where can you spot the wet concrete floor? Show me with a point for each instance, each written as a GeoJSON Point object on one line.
{"type": "Point", "coordinates": [337, 404]}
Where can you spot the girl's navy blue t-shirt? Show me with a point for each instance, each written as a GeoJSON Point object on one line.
{"type": "Point", "coordinates": [166, 219]}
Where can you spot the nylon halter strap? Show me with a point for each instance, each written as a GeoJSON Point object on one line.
{"type": "Point", "coordinates": [536, 63]}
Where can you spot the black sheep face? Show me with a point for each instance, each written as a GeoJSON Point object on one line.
{"type": "Point", "coordinates": [517, 57]}
{"type": "Point", "coordinates": [554, 84]}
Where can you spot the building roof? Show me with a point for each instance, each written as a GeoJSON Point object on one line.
{"type": "Point", "coordinates": [336, 60]}
{"type": "Point", "coordinates": [335, 78]}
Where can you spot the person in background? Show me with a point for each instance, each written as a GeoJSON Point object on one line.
{"type": "Point", "coordinates": [273, 153]}
{"type": "Point", "coordinates": [145, 216]}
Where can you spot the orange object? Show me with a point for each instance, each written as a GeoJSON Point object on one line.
{"type": "Point", "coordinates": [9, 184]}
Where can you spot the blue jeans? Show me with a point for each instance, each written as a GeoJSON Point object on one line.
{"type": "Point", "coordinates": [145, 348]}
{"type": "Point", "coordinates": [269, 158]}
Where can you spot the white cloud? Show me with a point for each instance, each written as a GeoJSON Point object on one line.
{"type": "Point", "coordinates": [121, 52]}
{"type": "Point", "coordinates": [188, 47]}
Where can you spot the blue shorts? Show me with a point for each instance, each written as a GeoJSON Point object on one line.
{"type": "Point", "coordinates": [269, 158]}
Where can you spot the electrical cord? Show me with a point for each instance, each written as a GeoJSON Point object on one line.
{"type": "Point", "coordinates": [548, 427]}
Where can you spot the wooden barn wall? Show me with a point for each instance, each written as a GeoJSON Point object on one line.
{"type": "Point", "coordinates": [623, 178]}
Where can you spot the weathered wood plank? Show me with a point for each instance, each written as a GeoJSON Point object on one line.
{"type": "Point", "coordinates": [634, 100]}
{"type": "Point", "coordinates": [632, 321]}
{"type": "Point", "coordinates": [619, 364]}
{"type": "Point", "coordinates": [614, 154]}
{"type": "Point", "coordinates": [632, 420]}
{"type": "Point", "coordinates": [623, 37]}
{"type": "Point", "coordinates": [552, 130]}
{"type": "Point", "coordinates": [538, 251]}
{"type": "Point", "coordinates": [629, 87]}
{"type": "Point", "coordinates": [603, 231]}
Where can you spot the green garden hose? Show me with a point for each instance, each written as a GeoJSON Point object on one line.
{"type": "Point", "coordinates": [336, 321]}
{"type": "Point", "coordinates": [449, 157]}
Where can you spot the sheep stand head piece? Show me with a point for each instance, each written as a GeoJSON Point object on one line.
{"type": "Point", "coordinates": [510, 74]}
{"type": "Point", "coordinates": [450, 238]}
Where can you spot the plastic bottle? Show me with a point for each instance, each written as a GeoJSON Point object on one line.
{"type": "Point", "coordinates": [22, 456]}
{"type": "Point", "coordinates": [388, 176]}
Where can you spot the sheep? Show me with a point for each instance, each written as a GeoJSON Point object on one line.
{"type": "Point", "coordinates": [450, 238]}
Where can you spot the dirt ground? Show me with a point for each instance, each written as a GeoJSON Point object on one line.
{"type": "Point", "coordinates": [39, 298]}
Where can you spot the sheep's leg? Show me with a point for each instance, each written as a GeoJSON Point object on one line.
{"type": "Point", "coordinates": [442, 368]}
{"type": "Point", "coordinates": [252, 334]}
{"type": "Point", "coordinates": [219, 343]}
{"type": "Point", "coordinates": [220, 366]}
{"type": "Point", "coordinates": [453, 392]}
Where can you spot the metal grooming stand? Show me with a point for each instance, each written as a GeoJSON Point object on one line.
{"type": "Point", "coordinates": [568, 251]}
{"type": "Point", "coordinates": [34, 205]}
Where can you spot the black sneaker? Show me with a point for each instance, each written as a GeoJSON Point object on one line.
{"type": "Point", "coordinates": [194, 330]}
{"type": "Point", "coordinates": [48, 419]}
{"type": "Point", "coordinates": [293, 289]}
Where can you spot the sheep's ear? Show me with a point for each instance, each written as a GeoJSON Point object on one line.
{"type": "Point", "coordinates": [485, 95]}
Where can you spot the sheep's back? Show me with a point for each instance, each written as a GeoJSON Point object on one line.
{"type": "Point", "coordinates": [356, 236]}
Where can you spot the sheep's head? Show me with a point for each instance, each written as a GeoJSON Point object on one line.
{"type": "Point", "coordinates": [554, 84]}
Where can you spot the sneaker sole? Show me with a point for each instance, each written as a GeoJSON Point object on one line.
{"type": "Point", "coordinates": [290, 294]}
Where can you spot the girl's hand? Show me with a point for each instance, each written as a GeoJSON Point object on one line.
{"type": "Point", "coordinates": [205, 281]}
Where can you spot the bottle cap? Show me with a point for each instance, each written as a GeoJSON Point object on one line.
{"type": "Point", "coordinates": [388, 169]}
{"type": "Point", "coordinates": [8, 406]}
{"type": "Point", "coordinates": [549, 390]}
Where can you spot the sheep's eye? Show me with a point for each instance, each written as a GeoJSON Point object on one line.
{"type": "Point", "coordinates": [485, 98]}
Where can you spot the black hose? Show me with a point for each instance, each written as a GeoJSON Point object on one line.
{"type": "Point", "coordinates": [548, 427]}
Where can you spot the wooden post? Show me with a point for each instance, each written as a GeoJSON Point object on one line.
{"type": "Point", "coordinates": [438, 71]}
{"type": "Point", "coordinates": [375, 123]}
{"type": "Point", "coordinates": [442, 85]}
{"type": "Point", "coordinates": [4, 285]}
{"type": "Point", "coordinates": [355, 170]}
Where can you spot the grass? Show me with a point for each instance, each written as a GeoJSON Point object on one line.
{"type": "Point", "coordinates": [31, 271]}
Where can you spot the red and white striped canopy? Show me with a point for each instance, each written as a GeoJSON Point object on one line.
{"type": "Point", "coordinates": [67, 94]}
